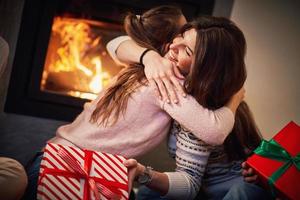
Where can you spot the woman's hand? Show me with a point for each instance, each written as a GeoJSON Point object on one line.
{"type": "Point", "coordinates": [236, 99]}
{"type": "Point", "coordinates": [249, 174]}
{"type": "Point", "coordinates": [134, 170]}
{"type": "Point", "coordinates": [163, 75]}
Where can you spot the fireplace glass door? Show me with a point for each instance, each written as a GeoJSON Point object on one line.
{"type": "Point", "coordinates": [77, 63]}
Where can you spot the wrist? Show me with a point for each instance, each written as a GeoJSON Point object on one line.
{"type": "Point", "coordinates": [140, 169]}
{"type": "Point", "coordinates": [149, 56]}
{"type": "Point", "coordinates": [145, 51]}
{"type": "Point", "coordinates": [145, 175]}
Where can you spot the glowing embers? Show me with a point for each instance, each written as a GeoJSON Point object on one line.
{"type": "Point", "coordinates": [77, 63]}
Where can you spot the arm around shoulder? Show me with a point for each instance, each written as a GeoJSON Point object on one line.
{"type": "Point", "coordinates": [113, 45]}
{"type": "Point", "coordinates": [210, 126]}
{"type": "Point", "coordinates": [124, 50]}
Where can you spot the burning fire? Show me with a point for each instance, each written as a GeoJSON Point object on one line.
{"type": "Point", "coordinates": [76, 66]}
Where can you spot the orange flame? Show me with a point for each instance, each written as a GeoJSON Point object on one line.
{"type": "Point", "coordinates": [76, 55]}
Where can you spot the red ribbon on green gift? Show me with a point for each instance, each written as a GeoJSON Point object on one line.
{"type": "Point", "coordinates": [271, 149]}
{"type": "Point", "coordinates": [95, 184]}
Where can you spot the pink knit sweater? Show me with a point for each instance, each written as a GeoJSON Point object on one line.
{"type": "Point", "coordinates": [144, 125]}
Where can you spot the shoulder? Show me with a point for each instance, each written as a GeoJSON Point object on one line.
{"type": "Point", "coordinates": [148, 95]}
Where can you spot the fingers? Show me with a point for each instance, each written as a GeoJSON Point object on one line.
{"type": "Point", "coordinates": [131, 177]}
{"type": "Point", "coordinates": [244, 165]}
{"type": "Point", "coordinates": [167, 85]}
{"type": "Point", "coordinates": [130, 163]}
{"type": "Point", "coordinates": [249, 174]}
{"type": "Point", "coordinates": [170, 89]}
{"type": "Point", "coordinates": [178, 86]}
{"type": "Point", "coordinates": [175, 81]}
{"type": "Point", "coordinates": [156, 90]}
{"type": "Point", "coordinates": [250, 171]}
{"type": "Point", "coordinates": [251, 179]}
{"type": "Point", "coordinates": [162, 90]}
{"type": "Point", "coordinates": [164, 81]}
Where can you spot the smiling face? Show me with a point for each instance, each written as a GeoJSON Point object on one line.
{"type": "Point", "coordinates": [181, 50]}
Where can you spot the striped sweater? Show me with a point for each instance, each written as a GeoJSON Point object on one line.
{"type": "Point", "coordinates": [196, 161]}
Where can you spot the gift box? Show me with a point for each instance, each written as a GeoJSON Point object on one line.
{"type": "Point", "coordinates": [277, 163]}
{"type": "Point", "coordinates": [72, 173]}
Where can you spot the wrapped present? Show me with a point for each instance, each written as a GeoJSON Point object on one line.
{"type": "Point", "coordinates": [72, 173]}
{"type": "Point", "coordinates": [277, 162]}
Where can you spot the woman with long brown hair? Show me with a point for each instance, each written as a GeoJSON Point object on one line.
{"type": "Point", "coordinates": [127, 119]}
{"type": "Point", "coordinates": [218, 71]}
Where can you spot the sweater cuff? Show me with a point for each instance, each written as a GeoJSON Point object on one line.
{"type": "Point", "coordinates": [179, 187]}
{"type": "Point", "coordinates": [113, 45]}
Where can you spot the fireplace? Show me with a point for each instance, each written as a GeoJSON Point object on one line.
{"type": "Point", "coordinates": [61, 61]}
{"type": "Point", "coordinates": [77, 63]}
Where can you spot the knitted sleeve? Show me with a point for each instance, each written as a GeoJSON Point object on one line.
{"type": "Point", "coordinates": [212, 127]}
{"type": "Point", "coordinates": [113, 45]}
{"type": "Point", "coordinates": [191, 159]}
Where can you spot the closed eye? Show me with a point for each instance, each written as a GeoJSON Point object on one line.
{"type": "Point", "coordinates": [188, 51]}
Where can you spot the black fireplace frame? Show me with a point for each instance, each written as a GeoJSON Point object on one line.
{"type": "Point", "coordinates": [24, 94]}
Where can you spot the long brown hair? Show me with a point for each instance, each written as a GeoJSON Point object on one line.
{"type": "Point", "coordinates": [219, 65]}
{"type": "Point", "coordinates": [152, 29]}
{"type": "Point", "coordinates": [156, 27]}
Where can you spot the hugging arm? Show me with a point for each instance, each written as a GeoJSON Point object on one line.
{"type": "Point", "coordinates": [212, 127]}
{"type": "Point", "coordinates": [161, 73]}
{"type": "Point", "coordinates": [124, 51]}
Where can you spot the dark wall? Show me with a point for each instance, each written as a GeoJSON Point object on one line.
{"type": "Point", "coordinates": [10, 19]}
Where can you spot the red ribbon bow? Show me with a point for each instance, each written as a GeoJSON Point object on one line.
{"type": "Point", "coordinates": [95, 184]}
